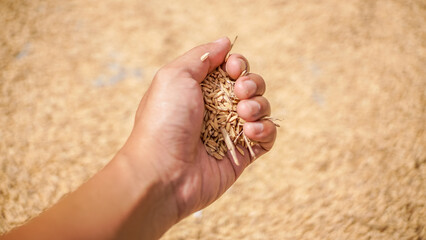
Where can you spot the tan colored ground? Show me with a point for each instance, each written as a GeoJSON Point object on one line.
{"type": "Point", "coordinates": [347, 77]}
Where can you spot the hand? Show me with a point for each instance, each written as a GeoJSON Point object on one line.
{"type": "Point", "coordinates": [168, 124]}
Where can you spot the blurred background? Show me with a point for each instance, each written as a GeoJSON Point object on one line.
{"type": "Point", "coordinates": [347, 78]}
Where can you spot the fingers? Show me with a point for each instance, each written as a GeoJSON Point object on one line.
{"type": "Point", "coordinates": [246, 86]}
{"type": "Point", "coordinates": [249, 86]}
{"type": "Point", "coordinates": [264, 132]}
{"type": "Point", "coordinates": [192, 65]}
{"type": "Point", "coordinates": [235, 65]}
{"type": "Point", "coordinates": [254, 108]}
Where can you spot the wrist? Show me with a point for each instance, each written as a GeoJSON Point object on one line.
{"type": "Point", "coordinates": [154, 208]}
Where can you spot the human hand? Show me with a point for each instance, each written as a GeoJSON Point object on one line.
{"type": "Point", "coordinates": [168, 123]}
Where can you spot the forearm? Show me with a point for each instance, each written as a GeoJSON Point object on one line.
{"type": "Point", "coordinates": [118, 202]}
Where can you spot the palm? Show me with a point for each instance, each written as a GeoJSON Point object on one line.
{"type": "Point", "coordinates": [177, 131]}
{"type": "Point", "coordinates": [213, 176]}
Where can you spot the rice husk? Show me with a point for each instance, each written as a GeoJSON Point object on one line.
{"type": "Point", "coordinates": [222, 128]}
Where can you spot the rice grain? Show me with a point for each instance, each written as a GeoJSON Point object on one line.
{"type": "Point", "coordinates": [222, 127]}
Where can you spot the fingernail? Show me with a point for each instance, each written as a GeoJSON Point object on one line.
{"type": "Point", "coordinates": [255, 106]}
{"type": "Point", "coordinates": [249, 87]}
{"type": "Point", "coordinates": [257, 127]}
{"type": "Point", "coordinates": [220, 39]}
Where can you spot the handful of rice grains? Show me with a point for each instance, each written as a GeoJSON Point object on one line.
{"type": "Point", "coordinates": [222, 128]}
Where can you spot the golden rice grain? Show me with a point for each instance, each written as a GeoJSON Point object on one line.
{"type": "Point", "coordinates": [222, 127]}
{"type": "Point", "coordinates": [204, 57]}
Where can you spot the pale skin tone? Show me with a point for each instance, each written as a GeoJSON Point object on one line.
{"type": "Point", "coordinates": [163, 172]}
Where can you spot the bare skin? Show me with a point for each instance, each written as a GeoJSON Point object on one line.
{"type": "Point", "coordinates": [163, 172]}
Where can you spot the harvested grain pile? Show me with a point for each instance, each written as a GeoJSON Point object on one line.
{"type": "Point", "coordinates": [349, 77]}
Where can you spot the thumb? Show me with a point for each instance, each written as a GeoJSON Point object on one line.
{"type": "Point", "coordinates": [191, 64]}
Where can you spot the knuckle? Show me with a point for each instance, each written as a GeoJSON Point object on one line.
{"type": "Point", "coordinates": [166, 73]}
{"type": "Point", "coordinates": [162, 74]}
{"type": "Point", "coordinates": [261, 85]}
